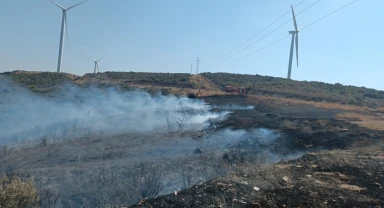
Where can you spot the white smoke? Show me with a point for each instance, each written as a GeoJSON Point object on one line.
{"type": "Point", "coordinates": [78, 111]}
{"type": "Point", "coordinates": [234, 107]}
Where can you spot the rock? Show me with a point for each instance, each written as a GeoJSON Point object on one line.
{"type": "Point", "coordinates": [256, 188]}
{"type": "Point", "coordinates": [285, 178]}
{"type": "Point", "coordinates": [244, 182]}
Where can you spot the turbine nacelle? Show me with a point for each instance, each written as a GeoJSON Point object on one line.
{"type": "Point", "coordinates": [95, 62]}
{"type": "Point", "coordinates": [66, 9]}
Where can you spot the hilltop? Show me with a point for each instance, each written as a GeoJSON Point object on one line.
{"type": "Point", "coordinates": [208, 83]}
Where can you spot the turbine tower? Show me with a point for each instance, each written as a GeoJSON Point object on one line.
{"type": "Point", "coordinates": [63, 28]}
{"type": "Point", "coordinates": [295, 39]}
{"type": "Point", "coordinates": [197, 66]}
{"type": "Point", "coordinates": [96, 63]}
{"type": "Point", "coordinates": [191, 68]}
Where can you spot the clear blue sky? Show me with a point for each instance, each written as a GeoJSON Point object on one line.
{"type": "Point", "coordinates": [168, 35]}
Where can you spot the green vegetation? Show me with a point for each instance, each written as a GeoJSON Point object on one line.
{"type": "Point", "coordinates": [311, 91]}
{"type": "Point", "coordinates": [39, 82]}
{"type": "Point", "coordinates": [156, 79]}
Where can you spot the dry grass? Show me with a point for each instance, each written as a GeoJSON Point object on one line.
{"type": "Point", "coordinates": [203, 82]}
{"type": "Point", "coordinates": [380, 109]}
{"type": "Point", "coordinates": [292, 101]}
{"type": "Point", "coordinates": [205, 86]}
{"type": "Point", "coordinates": [362, 116]}
{"type": "Point", "coordinates": [15, 193]}
{"type": "Point", "coordinates": [370, 121]}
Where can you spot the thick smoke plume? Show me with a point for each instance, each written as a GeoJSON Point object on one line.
{"type": "Point", "coordinates": [78, 111]}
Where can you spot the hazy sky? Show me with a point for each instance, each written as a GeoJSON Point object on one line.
{"type": "Point", "coordinates": [168, 35]}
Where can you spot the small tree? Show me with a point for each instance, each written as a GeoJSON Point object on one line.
{"type": "Point", "coordinates": [170, 121]}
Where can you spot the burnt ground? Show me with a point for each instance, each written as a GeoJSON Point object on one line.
{"type": "Point", "coordinates": [335, 163]}
{"type": "Point", "coordinates": [316, 180]}
{"type": "Point", "coordinates": [343, 165]}
{"type": "Point", "coordinates": [340, 165]}
{"type": "Point", "coordinates": [310, 127]}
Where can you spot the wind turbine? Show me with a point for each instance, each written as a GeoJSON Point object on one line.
{"type": "Point", "coordinates": [96, 63]}
{"type": "Point", "coordinates": [295, 39]}
{"type": "Point", "coordinates": [63, 28]}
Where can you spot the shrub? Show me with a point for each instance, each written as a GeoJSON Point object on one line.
{"type": "Point", "coordinates": [16, 192]}
{"type": "Point", "coordinates": [288, 125]}
{"type": "Point", "coordinates": [191, 95]}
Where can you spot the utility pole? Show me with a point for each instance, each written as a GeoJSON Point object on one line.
{"type": "Point", "coordinates": [191, 68]}
{"type": "Point", "coordinates": [197, 66]}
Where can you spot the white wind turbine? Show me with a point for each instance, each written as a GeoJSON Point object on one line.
{"type": "Point", "coordinates": [295, 39]}
{"type": "Point", "coordinates": [96, 63]}
{"type": "Point", "coordinates": [63, 28]}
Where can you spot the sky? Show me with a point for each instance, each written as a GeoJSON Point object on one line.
{"type": "Point", "coordinates": [169, 35]}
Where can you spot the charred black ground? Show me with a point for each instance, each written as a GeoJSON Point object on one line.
{"type": "Point", "coordinates": [335, 171]}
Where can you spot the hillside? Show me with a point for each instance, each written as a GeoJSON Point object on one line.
{"type": "Point", "coordinates": [213, 83]}
{"type": "Point", "coordinates": [312, 91]}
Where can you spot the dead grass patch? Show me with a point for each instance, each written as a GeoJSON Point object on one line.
{"type": "Point", "coordinates": [370, 121]}
{"type": "Point", "coordinates": [336, 174]}
{"type": "Point", "coordinates": [351, 187]}
{"type": "Point", "coordinates": [292, 101]}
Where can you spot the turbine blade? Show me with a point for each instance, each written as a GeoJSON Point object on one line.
{"type": "Point", "coordinates": [294, 18]}
{"type": "Point", "coordinates": [297, 49]}
{"type": "Point", "coordinates": [66, 28]}
{"type": "Point", "coordinates": [98, 70]}
{"type": "Point", "coordinates": [76, 5]}
{"type": "Point", "coordinates": [57, 4]}
{"type": "Point", "coordinates": [88, 58]}
{"type": "Point", "coordinates": [102, 57]}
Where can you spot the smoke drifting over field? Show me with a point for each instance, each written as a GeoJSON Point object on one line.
{"type": "Point", "coordinates": [233, 107]}
{"type": "Point", "coordinates": [127, 137]}
{"type": "Point", "coordinates": [79, 111]}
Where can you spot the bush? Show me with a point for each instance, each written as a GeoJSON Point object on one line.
{"type": "Point", "coordinates": [4, 150]}
{"type": "Point", "coordinates": [16, 192]}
